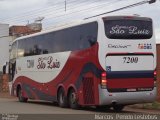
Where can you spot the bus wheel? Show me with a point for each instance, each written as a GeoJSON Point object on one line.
{"type": "Point", "coordinates": [118, 108]}
{"type": "Point", "coordinates": [62, 100]}
{"type": "Point", "coordinates": [20, 96]}
{"type": "Point", "coordinates": [73, 102]}
{"type": "Point", "coordinates": [103, 107]}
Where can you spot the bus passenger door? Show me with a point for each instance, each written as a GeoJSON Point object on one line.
{"type": "Point", "coordinates": [12, 70]}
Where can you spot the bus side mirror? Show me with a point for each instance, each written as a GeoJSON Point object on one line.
{"type": "Point", "coordinates": [152, 1]}
{"type": "Point", "coordinates": [4, 69]}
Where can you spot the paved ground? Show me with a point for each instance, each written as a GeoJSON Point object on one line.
{"type": "Point", "coordinates": [9, 104]}
{"type": "Point", "coordinates": [40, 109]}
{"type": "Point", "coordinates": [5, 95]}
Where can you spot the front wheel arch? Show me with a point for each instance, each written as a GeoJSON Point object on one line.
{"type": "Point", "coordinates": [20, 95]}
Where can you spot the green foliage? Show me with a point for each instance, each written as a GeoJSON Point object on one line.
{"type": "Point", "coordinates": [154, 105]}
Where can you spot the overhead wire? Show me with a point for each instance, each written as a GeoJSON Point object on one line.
{"type": "Point", "coordinates": [83, 10]}
{"type": "Point", "coordinates": [122, 8]}
{"type": "Point", "coordinates": [20, 20]}
{"type": "Point", "coordinates": [129, 6]}
{"type": "Point", "coordinates": [59, 11]}
{"type": "Point", "coordinates": [40, 11]}
{"type": "Point", "coordinates": [80, 11]}
{"type": "Point", "coordinates": [29, 11]}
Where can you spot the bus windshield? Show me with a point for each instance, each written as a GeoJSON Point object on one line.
{"type": "Point", "coordinates": [128, 28]}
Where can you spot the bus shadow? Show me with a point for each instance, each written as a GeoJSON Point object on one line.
{"type": "Point", "coordinates": [99, 110]}
{"type": "Point", "coordinates": [45, 103]}
{"type": "Point", "coordinates": [82, 108]}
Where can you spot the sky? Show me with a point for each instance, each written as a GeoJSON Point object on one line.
{"type": "Point", "coordinates": [22, 12]}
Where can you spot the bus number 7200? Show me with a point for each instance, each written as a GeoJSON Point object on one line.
{"type": "Point", "coordinates": [130, 59]}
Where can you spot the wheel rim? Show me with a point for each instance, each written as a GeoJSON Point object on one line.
{"type": "Point", "coordinates": [61, 98]}
{"type": "Point", "coordinates": [73, 98]}
{"type": "Point", "coordinates": [20, 95]}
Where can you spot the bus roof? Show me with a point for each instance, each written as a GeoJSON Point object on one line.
{"type": "Point", "coordinates": [76, 23]}
{"type": "Point", "coordinates": [57, 27]}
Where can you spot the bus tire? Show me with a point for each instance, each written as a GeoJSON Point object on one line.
{"type": "Point", "coordinates": [118, 108]}
{"type": "Point", "coordinates": [73, 101]}
{"type": "Point", "coordinates": [20, 96]}
{"type": "Point", "coordinates": [62, 99]}
{"type": "Point", "coordinates": [103, 107]}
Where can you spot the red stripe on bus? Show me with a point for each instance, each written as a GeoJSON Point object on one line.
{"type": "Point", "coordinates": [130, 83]}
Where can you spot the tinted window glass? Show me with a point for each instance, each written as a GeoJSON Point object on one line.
{"type": "Point", "coordinates": [13, 53]}
{"type": "Point", "coordinates": [28, 47]}
{"type": "Point", "coordinates": [70, 39]}
{"type": "Point", "coordinates": [128, 29]}
{"type": "Point", "coordinates": [88, 36]}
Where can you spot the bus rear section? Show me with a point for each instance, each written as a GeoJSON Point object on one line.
{"type": "Point", "coordinates": [128, 60]}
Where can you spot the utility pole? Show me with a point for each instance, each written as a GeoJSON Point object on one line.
{"type": "Point", "coordinates": [65, 5]}
{"type": "Point", "coordinates": [126, 7]}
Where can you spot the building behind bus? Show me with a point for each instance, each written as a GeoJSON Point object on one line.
{"type": "Point", "coordinates": [158, 72]}
{"type": "Point", "coordinates": [7, 35]}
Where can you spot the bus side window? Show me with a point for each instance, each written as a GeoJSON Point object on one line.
{"type": "Point", "coordinates": [37, 50]}
{"type": "Point", "coordinates": [45, 51]}
{"type": "Point", "coordinates": [88, 35]}
{"type": "Point", "coordinates": [91, 40]}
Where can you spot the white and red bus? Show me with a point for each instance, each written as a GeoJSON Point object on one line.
{"type": "Point", "coordinates": [106, 62]}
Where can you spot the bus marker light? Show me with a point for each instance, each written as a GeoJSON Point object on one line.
{"type": "Point", "coordinates": [155, 73]}
{"type": "Point", "coordinates": [128, 17]}
{"type": "Point", "coordinates": [103, 80]}
{"type": "Point", "coordinates": [104, 74]}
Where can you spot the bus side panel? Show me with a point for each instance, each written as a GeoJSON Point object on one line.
{"type": "Point", "coordinates": [82, 71]}
{"type": "Point", "coordinates": [88, 91]}
{"type": "Point", "coordinates": [89, 77]}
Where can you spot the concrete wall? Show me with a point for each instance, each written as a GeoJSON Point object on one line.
{"type": "Point", "coordinates": [4, 51]}
{"type": "Point", "coordinates": [4, 44]}
{"type": "Point", "coordinates": [4, 30]}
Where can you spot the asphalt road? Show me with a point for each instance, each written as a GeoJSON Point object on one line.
{"type": "Point", "coordinates": [12, 105]}
{"type": "Point", "coordinates": [43, 110]}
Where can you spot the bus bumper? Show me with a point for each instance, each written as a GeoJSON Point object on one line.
{"type": "Point", "coordinates": [126, 98]}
